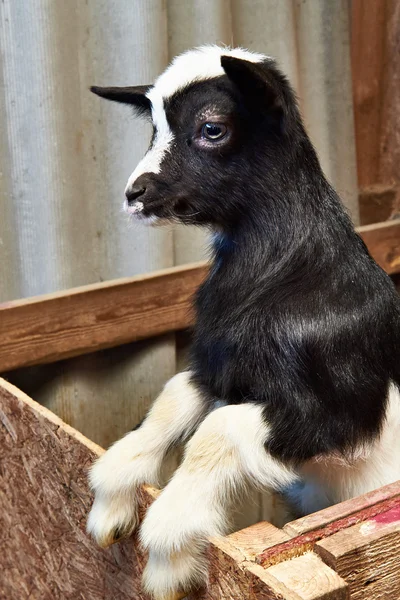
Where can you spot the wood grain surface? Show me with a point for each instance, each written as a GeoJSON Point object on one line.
{"type": "Point", "coordinates": [82, 320]}
{"type": "Point", "coordinates": [375, 50]}
{"type": "Point", "coordinates": [383, 241]}
{"type": "Point", "coordinates": [310, 578]}
{"type": "Point", "coordinates": [379, 203]}
{"type": "Point", "coordinates": [368, 49]}
{"type": "Point", "coordinates": [367, 556]}
{"type": "Point", "coordinates": [343, 509]}
{"type": "Point", "coordinates": [44, 502]}
{"type": "Point", "coordinates": [300, 544]}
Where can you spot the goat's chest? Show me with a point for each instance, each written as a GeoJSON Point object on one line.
{"type": "Point", "coordinates": [229, 345]}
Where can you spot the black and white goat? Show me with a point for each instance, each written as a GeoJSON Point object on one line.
{"type": "Point", "coordinates": [295, 364]}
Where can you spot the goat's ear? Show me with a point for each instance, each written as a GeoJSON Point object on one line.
{"type": "Point", "coordinates": [134, 95]}
{"type": "Point", "coordinates": [252, 80]}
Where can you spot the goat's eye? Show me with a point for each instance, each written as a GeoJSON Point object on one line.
{"type": "Point", "coordinates": [213, 131]}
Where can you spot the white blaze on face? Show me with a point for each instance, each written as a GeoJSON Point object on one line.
{"type": "Point", "coordinates": [195, 65]}
{"type": "Point", "coordinates": [151, 163]}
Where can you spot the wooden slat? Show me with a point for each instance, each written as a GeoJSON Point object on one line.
{"type": "Point", "coordinates": [343, 509]}
{"type": "Point", "coordinates": [379, 203]}
{"type": "Point", "coordinates": [306, 542]}
{"type": "Point", "coordinates": [367, 556]}
{"type": "Point", "coordinates": [255, 539]}
{"type": "Point", "coordinates": [368, 53]}
{"type": "Point", "coordinates": [383, 241]}
{"type": "Point", "coordinates": [82, 320]}
{"type": "Point", "coordinates": [375, 45]}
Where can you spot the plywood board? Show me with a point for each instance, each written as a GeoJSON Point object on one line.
{"type": "Point", "coordinates": [44, 502]}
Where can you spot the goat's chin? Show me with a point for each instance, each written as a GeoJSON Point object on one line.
{"type": "Point", "coordinates": [150, 221]}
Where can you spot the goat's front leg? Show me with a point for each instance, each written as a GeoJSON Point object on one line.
{"type": "Point", "coordinates": [137, 459]}
{"type": "Point", "coordinates": [226, 452]}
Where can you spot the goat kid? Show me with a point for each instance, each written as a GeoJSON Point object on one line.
{"type": "Point", "coordinates": [294, 373]}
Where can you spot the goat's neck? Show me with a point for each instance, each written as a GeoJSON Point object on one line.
{"type": "Point", "coordinates": [298, 232]}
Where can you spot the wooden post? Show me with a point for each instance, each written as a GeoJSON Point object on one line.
{"type": "Point", "coordinates": [375, 49]}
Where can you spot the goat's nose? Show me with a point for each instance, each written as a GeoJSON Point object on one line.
{"type": "Point", "coordinates": [134, 193]}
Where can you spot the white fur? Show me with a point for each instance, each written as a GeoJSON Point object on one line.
{"type": "Point", "coordinates": [199, 64]}
{"type": "Point", "coordinates": [137, 458]}
{"type": "Point", "coordinates": [225, 454]}
{"type": "Point", "coordinates": [195, 65]}
{"type": "Point", "coordinates": [151, 163]}
{"type": "Point", "coordinates": [135, 212]}
{"type": "Point", "coordinates": [332, 479]}
{"type": "Point", "coordinates": [133, 209]}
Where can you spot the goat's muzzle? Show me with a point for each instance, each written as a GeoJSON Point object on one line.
{"type": "Point", "coordinates": [133, 193]}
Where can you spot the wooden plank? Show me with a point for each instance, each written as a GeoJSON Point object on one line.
{"type": "Point", "coordinates": [82, 320]}
{"type": "Point", "coordinates": [378, 203]}
{"type": "Point", "coordinates": [237, 577]}
{"type": "Point", "coordinates": [44, 503]}
{"type": "Point", "coordinates": [367, 556]}
{"type": "Point", "coordinates": [253, 540]}
{"type": "Point", "coordinates": [306, 542]}
{"type": "Point", "coordinates": [383, 241]}
{"type": "Point", "coordinates": [315, 582]}
{"type": "Point", "coordinates": [310, 578]}
{"type": "Point", "coordinates": [343, 509]}
{"type": "Point", "coordinates": [375, 49]}
{"type": "Point", "coordinates": [368, 50]}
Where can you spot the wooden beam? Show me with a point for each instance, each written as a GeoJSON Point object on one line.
{"type": "Point", "coordinates": [383, 242]}
{"type": "Point", "coordinates": [342, 510]}
{"type": "Point", "coordinates": [375, 54]}
{"type": "Point", "coordinates": [305, 542]}
{"type": "Point", "coordinates": [367, 556]}
{"type": "Point", "coordinates": [379, 203]}
{"type": "Point", "coordinates": [82, 320]}
{"type": "Point", "coordinates": [368, 52]}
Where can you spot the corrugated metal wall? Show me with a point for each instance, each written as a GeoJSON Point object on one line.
{"type": "Point", "coordinates": [65, 157]}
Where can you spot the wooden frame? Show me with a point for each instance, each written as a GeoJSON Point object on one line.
{"type": "Point", "coordinates": [351, 550]}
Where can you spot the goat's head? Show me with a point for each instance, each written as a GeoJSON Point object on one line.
{"type": "Point", "coordinates": [220, 117]}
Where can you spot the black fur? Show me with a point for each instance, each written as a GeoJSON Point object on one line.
{"type": "Point", "coordinates": [134, 95]}
{"type": "Point", "coordinates": [295, 314]}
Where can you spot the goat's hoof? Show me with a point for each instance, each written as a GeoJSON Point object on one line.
{"type": "Point", "coordinates": [110, 520]}
{"type": "Point", "coordinates": [113, 537]}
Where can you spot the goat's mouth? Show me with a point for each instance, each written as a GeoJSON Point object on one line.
{"type": "Point", "coordinates": [149, 213]}
{"type": "Point", "coordinates": [135, 208]}
{"type": "Point", "coordinates": [160, 211]}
